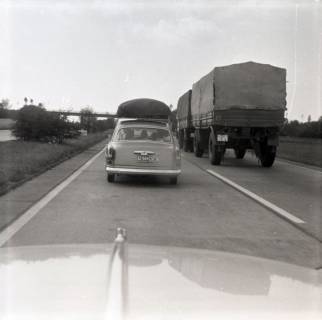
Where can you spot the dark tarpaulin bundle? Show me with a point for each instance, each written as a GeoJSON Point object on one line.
{"type": "Point", "coordinates": [143, 108]}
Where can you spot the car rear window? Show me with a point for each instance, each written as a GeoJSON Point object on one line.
{"type": "Point", "coordinates": [143, 133]}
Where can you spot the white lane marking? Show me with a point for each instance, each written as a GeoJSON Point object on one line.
{"type": "Point", "coordinates": [299, 165]}
{"type": "Point", "coordinates": [13, 228]}
{"type": "Point", "coordinates": [257, 198]}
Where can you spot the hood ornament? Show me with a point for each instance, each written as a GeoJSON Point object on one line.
{"type": "Point", "coordinates": [118, 278]}
{"type": "Point", "coordinates": [120, 235]}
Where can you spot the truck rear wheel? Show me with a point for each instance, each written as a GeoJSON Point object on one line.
{"type": "Point", "coordinates": [268, 156]}
{"type": "Point", "coordinates": [198, 151]}
{"type": "Point", "coordinates": [186, 146]}
{"type": "Point", "coordinates": [180, 139]}
{"type": "Point", "coordinates": [240, 153]}
{"type": "Point", "coordinates": [215, 153]}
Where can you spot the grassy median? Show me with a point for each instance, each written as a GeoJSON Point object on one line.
{"type": "Point", "coordinates": [21, 160]}
{"type": "Point", "coordinates": [304, 150]}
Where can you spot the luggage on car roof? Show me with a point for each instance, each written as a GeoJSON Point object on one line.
{"type": "Point", "coordinates": [143, 108]}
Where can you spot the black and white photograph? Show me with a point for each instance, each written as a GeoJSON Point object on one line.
{"type": "Point", "coordinates": [160, 159]}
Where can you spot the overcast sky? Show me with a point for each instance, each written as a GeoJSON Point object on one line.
{"type": "Point", "coordinates": [69, 54]}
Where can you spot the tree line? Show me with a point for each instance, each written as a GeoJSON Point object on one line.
{"type": "Point", "coordinates": [34, 122]}
{"type": "Point", "coordinates": [309, 129]}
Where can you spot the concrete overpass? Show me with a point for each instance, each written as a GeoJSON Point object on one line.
{"type": "Point", "coordinates": [79, 114]}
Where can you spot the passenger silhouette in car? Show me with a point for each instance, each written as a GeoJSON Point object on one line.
{"type": "Point", "coordinates": [129, 134]}
{"type": "Point", "coordinates": [144, 135]}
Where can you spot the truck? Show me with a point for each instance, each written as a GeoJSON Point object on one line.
{"type": "Point", "coordinates": [184, 125]}
{"type": "Point", "coordinates": [240, 106]}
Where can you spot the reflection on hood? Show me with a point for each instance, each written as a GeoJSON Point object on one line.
{"type": "Point", "coordinates": [64, 282]}
{"type": "Point", "coordinates": [227, 275]}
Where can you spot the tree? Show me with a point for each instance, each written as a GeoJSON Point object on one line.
{"type": "Point", "coordinates": [87, 120]}
{"type": "Point", "coordinates": [5, 104]}
{"type": "Point", "coordinates": [173, 120]}
{"type": "Point", "coordinates": [4, 107]}
{"type": "Point", "coordinates": [310, 129]}
{"type": "Point", "coordinates": [35, 123]}
{"type": "Point", "coordinates": [309, 118]}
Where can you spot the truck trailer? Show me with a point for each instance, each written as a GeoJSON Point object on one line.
{"type": "Point", "coordinates": [240, 106]}
{"type": "Point", "coordinates": [184, 125]}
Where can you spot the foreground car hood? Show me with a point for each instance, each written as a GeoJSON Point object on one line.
{"type": "Point", "coordinates": [71, 282]}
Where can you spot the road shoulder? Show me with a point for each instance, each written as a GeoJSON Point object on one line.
{"type": "Point", "coordinates": [17, 201]}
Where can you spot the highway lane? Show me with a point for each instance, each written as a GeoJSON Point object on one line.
{"type": "Point", "coordinates": [200, 212]}
{"type": "Point", "coordinates": [296, 189]}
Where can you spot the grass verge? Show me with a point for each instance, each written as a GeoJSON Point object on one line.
{"type": "Point", "coordinates": [304, 150]}
{"type": "Point", "coordinates": [22, 160]}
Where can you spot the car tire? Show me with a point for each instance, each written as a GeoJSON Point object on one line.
{"type": "Point", "coordinates": [110, 177]}
{"type": "Point", "coordinates": [173, 180]}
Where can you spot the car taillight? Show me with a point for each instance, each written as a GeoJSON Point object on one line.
{"type": "Point", "coordinates": [178, 154]}
{"type": "Point", "coordinates": [110, 155]}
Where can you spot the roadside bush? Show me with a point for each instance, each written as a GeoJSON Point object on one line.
{"type": "Point", "coordinates": [35, 123]}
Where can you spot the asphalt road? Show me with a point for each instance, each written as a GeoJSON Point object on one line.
{"type": "Point", "coordinates": [293, 187]}
{"type": "Point", "coordinates": [200, 212]}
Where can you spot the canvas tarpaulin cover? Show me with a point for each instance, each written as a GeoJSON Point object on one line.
{"type": "Point", "coordinates": [143, 108]}
{"type": "Point", "coordinates": [247, 85]}
{"type": "Point", "coordinates": [183, 107]}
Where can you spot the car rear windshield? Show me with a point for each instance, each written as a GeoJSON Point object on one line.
{"type": "Point", "coordinates": [143, 133]}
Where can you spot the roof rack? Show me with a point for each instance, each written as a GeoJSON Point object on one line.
{"type": "Point", "coordinates": [127, 120]}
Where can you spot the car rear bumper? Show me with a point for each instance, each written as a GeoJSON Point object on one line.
{"type": "Point", "coordinates": [143, 171]}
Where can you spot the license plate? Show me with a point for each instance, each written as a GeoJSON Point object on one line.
{"type": "Point", "coordinates": [149, 158]}
{"type": "Point", "coordinates": [222, 137]}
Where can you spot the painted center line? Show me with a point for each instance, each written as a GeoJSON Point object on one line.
{"type": "Point", "coordinates": [12, 229]}
{"type": "Point", "coordinates": [257, 198]}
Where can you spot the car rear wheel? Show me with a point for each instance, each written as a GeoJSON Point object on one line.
{"type": "Point", "coordinates": [173, 180]}
{"type": "Point", "coordinates": [110, 177]}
